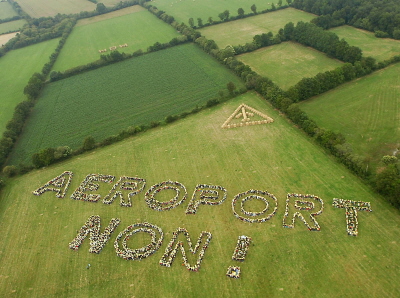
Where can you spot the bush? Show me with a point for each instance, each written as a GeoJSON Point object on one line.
{"type": "Point", "coordinates": [10, 171]}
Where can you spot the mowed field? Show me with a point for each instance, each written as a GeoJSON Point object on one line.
{"type": "Point", "coordinates": [35, 259]}
{"type": "Point", "coordinates": [378, 48]}
{"type": "Point", "coordinates": [139, 29]}
{"type": "Point", "coordinates": [182, 10]}
{"type": "Point", "coordinates": [16, 68]}
{"type": "Point", "coordinates": [49, 8]}
{"type": "Point", "coordinates": [6, 10]}
{"type": "Point", "coordinates": [288, 62]}
{"type": "Point", "coordinates": [137, 91]}
{"type": "Point", "coordinates": [11, 26]}
{"type": "Point", "coordinates": [366, 111]}
{"type": "Point", "coordinates": [243, 31]}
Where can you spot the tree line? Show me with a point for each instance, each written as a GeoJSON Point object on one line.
{"type": "Point", "coordinates": [379, 16]}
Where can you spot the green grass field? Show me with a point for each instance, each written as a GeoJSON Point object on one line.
{"type": "Point", "coordinates": [288, 62]}
{"type": "Point", "coordinates": [366, 111]}
{"type": "Point", "coordinates": [16, 68]}
{"type": "Point", "coordinates": [35, 259]}
{"type": "Point", "coordinates": [105, 101]}
{"type": "Point", "coordinates": [49, 8]}
{"type": "Point", "coordinates": [139, 29]}
{"type": "Point", "coordinates": [183, 10]}
{"type": "Point", "coordinates": [6, 10]}
{"type": "Point", "coordinates": [242, 31]}
{"type": "Point", "coordinates": [11, 26]}
{"type": "Point", "coordinates": [378, 48]}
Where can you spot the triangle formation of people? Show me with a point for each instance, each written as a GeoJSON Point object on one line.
{"type": "Point", "coordinates": [245, 115]}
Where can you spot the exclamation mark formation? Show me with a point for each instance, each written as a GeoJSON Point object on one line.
{"type": "Point", "coordinates": [239, 254]}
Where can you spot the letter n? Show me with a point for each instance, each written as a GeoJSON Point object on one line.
{"type": "Point", "coordinates": [175, 245]}
{"type": "Point", "coordinates": [92, 229]}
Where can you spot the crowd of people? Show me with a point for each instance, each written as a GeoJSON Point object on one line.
{"type": "Point", "coordinates": [97, 240]}
{"type": "Point", "coordinates": [172, 249]}
{"type": "Point", "coordinates": [167, 205]}
{"type": "Point", "coordinates": [302, 203]}
{"type": "Point", "coordinates": [88, 185]}
{"type": "Point", "coordinates": [233, 272]}
{"type": "Point", "coordinates": [351, 213]}
{"type": "Point", "coordinates": [242, 246]}
{"type": "Point", "coordinates": [56, 184]}
{"type": "Point", "coordinates": [143, 252]}
{"type": "Point", "coordinates": [133, 184]}
{"type": "Point", "coordinates": [207, 195]}
{"type": "Point", "coordinates": [251, 195]}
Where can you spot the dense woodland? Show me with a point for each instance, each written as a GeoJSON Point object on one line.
{"type": "Point", "coordinates": [382, 17]}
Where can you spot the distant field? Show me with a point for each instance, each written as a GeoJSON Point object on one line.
{"type": "Point", "coordinates": [242, 31]}
{"type": "Point", "coordinates": [105, 101]}
{"type": "Point", "coordinates": [4, 38]}
{"type": "Point", "coordinates": [35, 259]}
{"type": "Point", "coordinates": [6, 10]}
{"type": "Point", "coordinates": [183, 10]}
{"type": "Point", "coordinates": [378, 48]}
{"type": "Point", "coordinates": [109, 2]}
{"type": "Point", "coordinates": [11, 26]}
{"type": "Point", "coordinates": [288, 62]}
{"type": "Point", "coordinates": [16, 68]}
{"type": "Point", "coordinates": [139, 29]}
{"type": "Point", "coordinates": [366, 111]}
{"type": "Point", "coordinates": [49, 8]}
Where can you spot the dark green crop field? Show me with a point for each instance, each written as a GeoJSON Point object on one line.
{"type": "Point", "coordinates": [103, 102]}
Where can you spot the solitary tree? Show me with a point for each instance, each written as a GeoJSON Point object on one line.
{"type": "Point", "coordinates": [254, 8]}
{"type": "Point", "coordinates": [241, 12]}
{"type": "Point", "coordinates": [89, 143]}
{"type": "Point", "coordinates": [191, 22]}
{"type": "Point", "coordinates": [280, 3]}
{"type": "Point", "coordinates": [210, 20]}
{"type": "Point", "coordinates": [231, 88]}
{"type": "Point", "coordinates": [199, 22]}
{"type": "Point", "coordinates": [101, 8]}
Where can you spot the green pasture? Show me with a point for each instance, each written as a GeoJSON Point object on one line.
{"type": "Point", "coordinates": [35, 259]}
{"type": "Point", "coordinates": [49, 8]}
{"type": "Point", "coordinates": [366, 111]}
{"type": "Point", "coordinates": [288, 62]}
{"type": "Point", "coordinates": [243, 30]}
{"type": "Point", "coordinates": [6, 10]}
{"type": "Point", "coordinates": [11, 26]}
{"type": "Point", "coordinates": [137, 91]}
{"type": "Point", "coordinates": [378, 48]}
{"type": "Point", "coordinates": [139, 29]}
{"type": "Point", "coordinates": [182, 11]}
{"type": "Point", "coordinates": [16, 68]}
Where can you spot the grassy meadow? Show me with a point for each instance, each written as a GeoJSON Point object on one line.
{"type": "Point", "coordinates": [16, 68]}
{"type": "Point", "coordinates": [137, 91]}
{"type": "Point", "coordinates": [6, 10]}
{"type": "Point", "coordinates": [49, 8]}
{"type": "Point", "coordinates": [242, 31]}
{"type": "Point", "coordinates": [366, 111]}
{"type": "Point", "coordinates": [378, 48]}
{"type": "Point", "coordinates": [35, 259]}
{"type": "Point", "coordinates": [288, 62]}
{"type": "Point", "coordinates": [11, 26]}
{"type": "Point", "coordinates": [139, 29]}
{"type": "Point", "coordinates": [186, 9]}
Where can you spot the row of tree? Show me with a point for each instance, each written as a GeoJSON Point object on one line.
{"type": "Point", "coordinates": [226, 16]}
{"type": "Point", "coordinates": [379, 16]}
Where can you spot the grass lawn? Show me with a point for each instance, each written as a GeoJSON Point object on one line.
{"type": "Point", "coordinates": [378, 48]}
{"type": "Point", "coordinates": [16, 68]}
{"type": "Point", "coordinates": [139, 29]}
{"type": "Point", "coordinates": [288, 62]}
{"type": "Point", "coordinates": [49, 8]}
{"type": "Point", "coordinates": [242, 31]}
{"type": "Point", "coordinates": [6, 10]}
{"type": "Point", "coordinates": [35, 259]}
{"type": "Point", "coordinates": [11, 26]}
{"type": "Point", "coordinates": [366, 111]}
{"type": "Point", "coordinates": [134, 92]}
{"type": "Point", "coordinates": [183, 10]}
